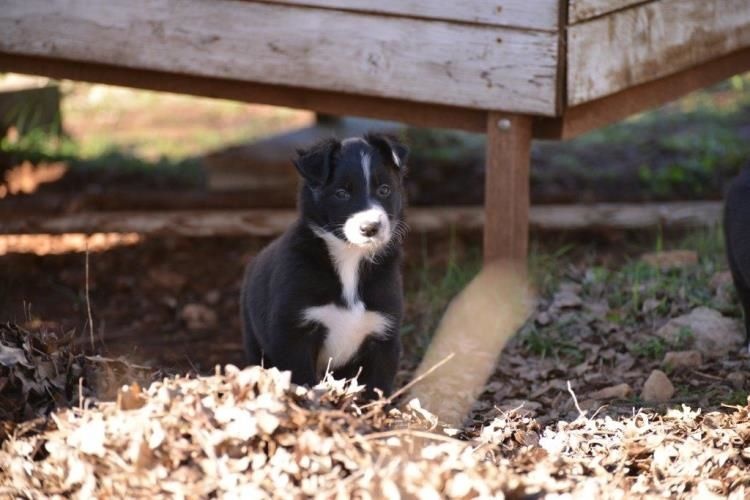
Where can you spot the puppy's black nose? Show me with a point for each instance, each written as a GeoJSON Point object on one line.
{"type": "Point", "coordinates": [369, 228]}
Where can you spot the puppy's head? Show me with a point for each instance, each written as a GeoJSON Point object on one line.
{"type": "Point", "coordinates": [353, 188]}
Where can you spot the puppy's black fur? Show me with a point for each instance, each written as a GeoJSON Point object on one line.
{"type": "Point", "coordinates": [737, 234]}
{"type": "Point", "coordinates": [298, 271]}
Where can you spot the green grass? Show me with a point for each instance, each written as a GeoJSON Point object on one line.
{"type": "Point", "coordinates": [39, 146]}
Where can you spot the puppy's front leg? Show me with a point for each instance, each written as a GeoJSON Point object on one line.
{"type": "Point", "coordinates": [379, 365]}
{"type": "Point", "coordinates": [297, 354]}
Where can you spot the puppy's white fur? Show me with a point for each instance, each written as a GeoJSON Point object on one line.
{"type": "Point", "coordinates": [366, 170]}
{"type": "Point", "coordinates": [373, 214]}
{"type": "Point", "coordinates": [346, 259]}
{"type": "Point", "coordinates": [347, 328]}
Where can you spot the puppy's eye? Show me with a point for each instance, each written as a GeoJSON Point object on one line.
{"type": "Point", "coordinates": [342, 194]}
{"type": "Point", "coordinates": [384, 191]}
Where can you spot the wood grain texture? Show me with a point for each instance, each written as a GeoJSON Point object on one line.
{"type": "Point", "coordinates": [539, 14]}
{"type": "Point", "coordinates": [506, 194]}
{"type": "Point", "coordinates": [650, 41]}
{"type": "Point", "coordinates": [269, 222]}
{"type": "Point", "coordinates": [437, 62]}
{"type": "Point", "coordinates": [580, 10]}
{"type": "Point", "coordinates": [414, 113]}
{"type": "Point", "coordinates": [620, 105]}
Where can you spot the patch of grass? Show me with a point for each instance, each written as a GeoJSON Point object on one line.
{"type": "Point", "coordinates": [737, 397]}
{"type": "Point", "coordinates": [653, 348]}
{"type": "Point", "coordinates": [435, 287]}
{"type": "Point", "coordinates": [668, 292]}
{"type": "Point", "coordinates": [39, 146]}
{"type": "Point", "coordinates": [551, 342]}
{"type": "Point", "coordinates": [545, 269]}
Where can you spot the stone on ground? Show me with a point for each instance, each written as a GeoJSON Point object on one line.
{"type": "Point", "coordinates": [683, 359]}
{"type": "Point", "coordinates": [673, 259]}
{"type": "Point", "coordinates": [619, 391]}
{"type": "Point", "coordinates": [705, 330]}
{"type": "Point", "coordinates": [658, 388]}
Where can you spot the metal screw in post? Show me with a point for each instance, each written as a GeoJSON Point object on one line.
{"type": "Point", "coordinates": [503, 124]}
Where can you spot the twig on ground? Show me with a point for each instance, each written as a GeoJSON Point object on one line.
{"type": "Point", "coordinates": [88, 299]}
{"type": "Point", "coordinates": [409, 432]}
{"type": "Point", "coordinates": [411, 384]}
{"type": "Point", "coordinates": [581, 413]}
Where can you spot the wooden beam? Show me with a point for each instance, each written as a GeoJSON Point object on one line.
{"type": "Point", "coordinates": [418, 114]}
{"type": "Point", "coordinates": [267, 222]}
{"type": "Point", "coordinates": [506, 194]}
{"type": "Point", "coordinates": [582, 10]}
{"type": "Point", "coordinates": [520, 14]}
{"type": "Point", "coordinates": [453, 64]}
{"type": "Point", "coordinates": [613, 108]}
{"type": "Point", "coordinates": [651, 41]}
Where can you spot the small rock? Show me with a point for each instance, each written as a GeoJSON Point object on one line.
{"type": "Point", "coordinates": [658, 388]}
{"type": "Point", "coordinates": [737, 379]}
{"type": "Point", "coordinates": [650, 305]}
{"type": "Point", "coordinates": [212, 297]}
{"type": "Point", "coordinates": [567, 296]}
{"type": "Point", "coordinates": [721, 279]}
{"type": "Point", "coordinates": [723, 287]}
{"type": "Point", "coordinates": [543, 319]}
{"type": "Point", "coordinates": [705, 330]}
{"type": "Point", "coordinates": [167, 279]}
{"type": "Point", "coordinates": [673, 259]}
{"type": "Point", "coordinates": [598, 310]}
{"type": "Point", "coordinates": [619, 391]}
{"type": "Point", "coordinates": [683, 359]}
{"type": "Point", "coordinates": [198, 317]}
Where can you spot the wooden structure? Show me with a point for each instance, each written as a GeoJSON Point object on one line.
{"type": "Point", "coordinates": [515, 69]}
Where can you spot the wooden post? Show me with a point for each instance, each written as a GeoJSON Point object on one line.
{"type": "Point", "coordinates": [506, 192]}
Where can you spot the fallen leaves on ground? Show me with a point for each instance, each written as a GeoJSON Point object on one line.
{"type": "Point", "coordinates": [251, 433]}
{"type": "Point", "coordinates": [40, 369]}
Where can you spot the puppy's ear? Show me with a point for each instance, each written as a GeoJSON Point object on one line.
{"type": "Point", "coordinates": [315, 164]}
{"type": "Point", "coordinates": [390, 148]}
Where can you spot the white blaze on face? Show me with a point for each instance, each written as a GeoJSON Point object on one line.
{"type": "Point", "coordinates": [366, 170]}
{"type": "Point", "coordinates": [354, 224]}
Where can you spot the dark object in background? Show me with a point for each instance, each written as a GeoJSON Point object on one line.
{"type": "Point", "coordinates": [737, 233]}
{"type": "Point", "coordinates": [31, 109]}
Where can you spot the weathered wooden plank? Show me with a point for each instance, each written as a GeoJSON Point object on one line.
{"type": "Point", "coordinates": [265, 222]}
{"type": "Point", "coordinates": [539, 14]}
{"type": "Point", "coordinates": [426, 61]}
{"type": "Point", "coordinates": [650, 41]}
{"type": "Point", "coordinates": [612, 108]}
{"type": "Point", "coordinates": [580, 10]}
{"type": "Point", "coordinates": [414, 113]}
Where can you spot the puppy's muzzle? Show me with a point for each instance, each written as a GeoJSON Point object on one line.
{"type": "Point", "coordinates": [370, 228]}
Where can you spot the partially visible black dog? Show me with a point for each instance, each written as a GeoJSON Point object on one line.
{"type": "Point", "coordinates": [327, 294]}
{"type": "Point", "coordinates": [737, 233]}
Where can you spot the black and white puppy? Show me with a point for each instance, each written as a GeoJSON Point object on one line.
{"type": "Point", "coordinates": [737, 234]}
{"type": "Point", "coordinates": [327, 294]}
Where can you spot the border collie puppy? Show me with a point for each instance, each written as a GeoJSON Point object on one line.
{"type": "Point", "coordinates": [737, 234]}
{"type": "Point", "coordinates": [327, 294]}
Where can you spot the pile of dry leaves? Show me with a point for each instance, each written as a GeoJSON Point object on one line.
{"type": "Point", "coordinates": [41, 369]}
{"type": "Point", "coordinates": [251, 433]}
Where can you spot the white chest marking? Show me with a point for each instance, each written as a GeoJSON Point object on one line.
{"type": "Point", "coordinates": [346, 259]}
{"type": "Point", "coordinates": [347, 328]}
